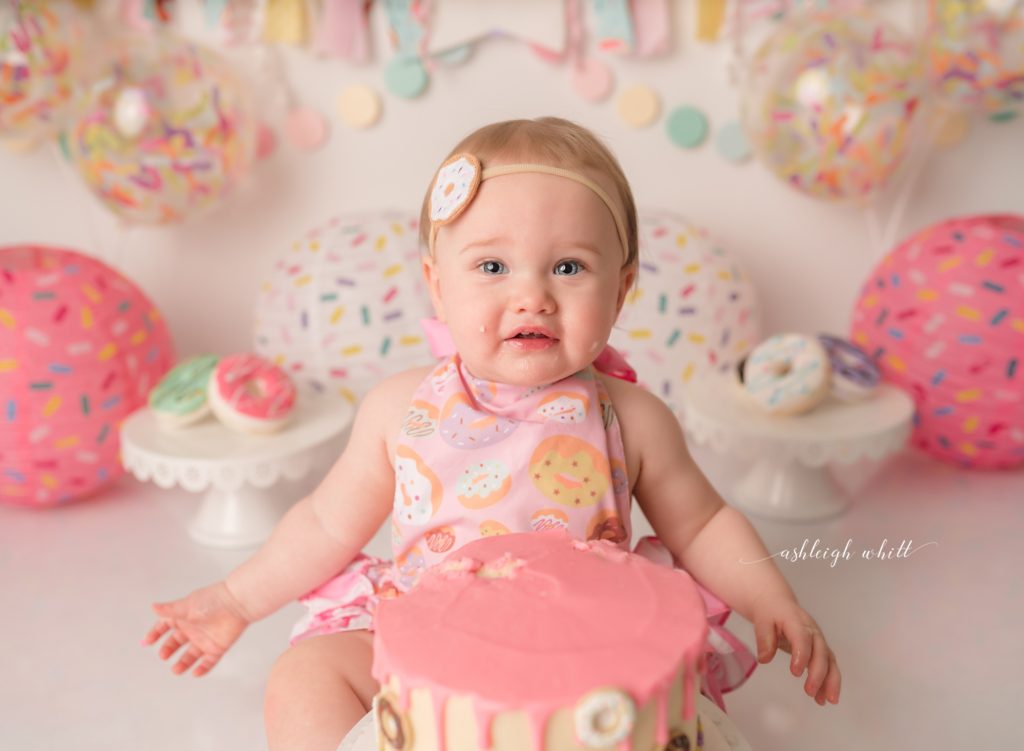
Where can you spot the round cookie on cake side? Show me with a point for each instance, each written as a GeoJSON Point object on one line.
{"type": "Point", "coordinates": [537, 641]}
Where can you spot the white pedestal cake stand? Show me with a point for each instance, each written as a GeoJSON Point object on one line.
{"type": "Point", "coordinates": [238, 471]}
{"type": "Point", "coordinates": [719, 732]}
{"type": "Point", "coordinates": [787, 477]}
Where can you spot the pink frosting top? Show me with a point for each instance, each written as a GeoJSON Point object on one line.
{"type": "Point", "coordinates": [254, 386]}
{"type": "Point", "coordinates": [559, 619]}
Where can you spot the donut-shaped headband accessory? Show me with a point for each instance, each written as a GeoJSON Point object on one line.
{"type": "Point", "coordinates": [460, 176]}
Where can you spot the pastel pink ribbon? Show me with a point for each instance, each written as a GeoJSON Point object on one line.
{"type": "Point", "coordinates": [610, 361]}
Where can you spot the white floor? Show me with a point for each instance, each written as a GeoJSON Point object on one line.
{"type": "Point", "coordinates": [930, 645]}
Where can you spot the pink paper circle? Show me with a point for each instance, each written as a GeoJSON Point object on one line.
{"type": "Point", "coordinates": [306, 129]}
{"type": "Point", "coordinates": [592, 79]}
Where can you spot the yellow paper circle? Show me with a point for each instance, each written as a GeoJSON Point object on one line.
{"type": "Point", "coordinates": [639, 106]}
{"type": "Point", "coordinates": [359, 107]}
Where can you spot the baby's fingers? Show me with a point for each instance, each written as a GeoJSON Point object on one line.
{"type": "Point", "coordinates": [159, 629]}
{"type": "Point", "coordinates": [172, 644]}
{"type": "Point", "coordinates": [767, 639]}
{"type": "Point", "coordinates": [801, 644]}
{"type": "Point", "coordinates": [833, 681]}
{"type": "Point", "coordinates": [819, 665]}
{"type": "Point", "coordinates": [187, 660]}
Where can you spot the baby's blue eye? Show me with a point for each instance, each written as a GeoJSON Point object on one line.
{"type": "Point", "coordinates": [568, 268]}
{"type": "Point", "coordinates": [492, 267]}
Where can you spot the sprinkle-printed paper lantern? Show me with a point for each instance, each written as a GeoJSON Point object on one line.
{"type": "Point", "coordinates": [80, 348]}
{"type": "Point", "coordinates": [342, 307]}
{"type": "Point", "coordinates": [42, 56]}
{"type": "Point", "coordinates": [692, 311]}
{"type": "Point", "coordinates": [828, 102]}
{"type": "Point", "coordinates": [943, 316]}
{"type": "Point", "coordinates": [167, 135]}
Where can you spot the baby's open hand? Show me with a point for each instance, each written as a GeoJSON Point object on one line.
{"type": "Point", "coordinates": [207, 622]}
{"type": "Point", "coordinates": [785, 625]}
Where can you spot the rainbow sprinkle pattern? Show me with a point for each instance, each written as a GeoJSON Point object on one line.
{"type": "Point", "coordinates": [196, 134]}
{"type": "Point", "coordinates": [80, 347]}
{"type": "Point", "coordinates": [342, 308]}
{"type": "Point", "coordinates": [943, 317]}
{"type": "Point", "coordinates": [692, 310]}
{"type": "Point", "coordinates": [829, 100]}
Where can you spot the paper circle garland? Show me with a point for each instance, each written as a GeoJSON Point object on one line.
{"type": "Point", "coordinates": [167, 135]}
{"type": "Point", "coordinates": [828, 102]}
{"type": "Point", "coordinates": [80, 348]}
{"type": "Point", "coordinates": [943, 317]}
{"type": "Point", "coordinates": [42, 56]}
{"type": "Point", "coordinates": [692, 311]}
{"type": "Point", "coordinates": [341, 309]}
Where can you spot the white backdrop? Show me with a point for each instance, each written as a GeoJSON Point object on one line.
{"type": "Point", "coordinates": [807, 258]}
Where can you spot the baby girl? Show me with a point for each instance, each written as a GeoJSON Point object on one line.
{"type": "Point", "coordinates": [530, 232]}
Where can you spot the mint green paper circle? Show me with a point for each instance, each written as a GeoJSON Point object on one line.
{"type": "Point", "coordinates": [687, 127]}
{"type": "Point", "coordinates": [405, 77]}
{"type": "Point", "coordinates": [732, 142]}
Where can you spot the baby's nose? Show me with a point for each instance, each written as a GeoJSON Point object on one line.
{"type": "Point", "coordinates": [531, 296]}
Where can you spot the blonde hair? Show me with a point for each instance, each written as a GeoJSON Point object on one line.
{"type": "Point", "coordinates": [552, 141]}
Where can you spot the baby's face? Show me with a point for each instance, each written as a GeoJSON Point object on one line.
{"type": "Point", "coordinates": [532, 252]}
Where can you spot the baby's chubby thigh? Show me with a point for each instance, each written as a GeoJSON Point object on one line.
{"type": "Point", "coordinates": [318, 690]}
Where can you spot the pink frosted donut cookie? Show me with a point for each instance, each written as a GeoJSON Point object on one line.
{"type": "Point", "coordinates": [787, 374]}
{"type": "Point", "coordinates": [250, 394]}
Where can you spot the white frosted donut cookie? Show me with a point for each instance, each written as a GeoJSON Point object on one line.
{"type": "Point", "coordinates": [787, 374]}
{"type": "Point", "coordinates": [456, 184]}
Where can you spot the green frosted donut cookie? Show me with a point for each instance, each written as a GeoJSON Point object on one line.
{"type": "Point", "coordinates": [180, 397]}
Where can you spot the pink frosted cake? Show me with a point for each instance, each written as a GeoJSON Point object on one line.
{"type": "Point", "coordinates": [535, 641]}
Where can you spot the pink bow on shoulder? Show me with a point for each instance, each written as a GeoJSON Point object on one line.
{"type": "Point", "coordinates": [610, 361]}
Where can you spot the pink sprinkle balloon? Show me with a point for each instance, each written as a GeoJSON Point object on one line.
{"type": "Point", "coordinates": [167, 135]}
{"type": "Point", "coordinates": [943, 317]}
{"type": "Point", "coordinates": [828, 103]}
{"type": "Point", "coordinates": [80, 348]}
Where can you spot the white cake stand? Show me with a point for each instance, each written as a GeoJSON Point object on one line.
{"type": "Point", "coordinates": [719, 732]}
{"type": "Point", "coordinates": [787, 476]}
{"type": "Point", "coordinates": [238, 471]}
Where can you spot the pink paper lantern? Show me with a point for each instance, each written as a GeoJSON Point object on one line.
{"type": "Point", "coordinates": [943, 316]}
{"type": "Point", "coordinates": [80, 348]}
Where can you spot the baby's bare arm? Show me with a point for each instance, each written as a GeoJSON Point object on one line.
{"type": "Point", "coordinates": [323, 532]}
{"type": "Point", "coordinates": [716, 544]}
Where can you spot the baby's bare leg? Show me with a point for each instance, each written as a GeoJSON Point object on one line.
{"type": "Point", "coordinates": [318, 690]}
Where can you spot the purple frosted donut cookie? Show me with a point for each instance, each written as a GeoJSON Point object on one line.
{"type": "Point", "coordinates": [854, 374]}
{"type": "Point", "coordinates": [465, 428]}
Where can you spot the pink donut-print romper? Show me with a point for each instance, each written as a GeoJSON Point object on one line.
{"type": "Point", "coordinates": [477, 458]}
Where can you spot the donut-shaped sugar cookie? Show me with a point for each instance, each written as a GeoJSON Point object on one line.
{"type": "Point", "coordinates": [854, 374]}
{"type": "Point", "coordinates": [492, 527]}
{"type": "Point", "coordinates": [570, 471]}
{"type": "Point", "coordinates": [456, 184]}
{"type": "Point", "coordinates": [547, 519]}
{"type": "Point", "coordinates": [607, 525]}
{"type": "Point", "coordinates": [440, 539]}
{"type": "Point", "coordinates": [180, 398]}
{"type": "Point", "coordinates": [564, 407]}
{"type": "Point", "coordinates": [604, 718]}
{"type": "Point", "coordinates": [394, 731]}
{"type": "Point", "coordinates": [251, 394]}
{"type": "Point", "coordinates": [787, 374]}
{"type": "Point", "coordinates": [465, 428]}
{"type": "Point", "coordinates": [417, 489]}
{"type": "Point", "coordinates": [483, 484]}
{"type": "Point", "coordinates": [421, 419]}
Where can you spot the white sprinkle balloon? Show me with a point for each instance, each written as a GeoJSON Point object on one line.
{"type": "Point", "coordinates": [692, 311]}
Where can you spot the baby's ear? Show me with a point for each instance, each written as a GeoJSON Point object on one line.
{"type": "Point", "coordinates": [626, 279]}
{"type": "Point", "coordinates": [433, 285]}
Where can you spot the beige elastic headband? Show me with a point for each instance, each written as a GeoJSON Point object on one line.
{"type": "Point", "coordinates": [460, 177]}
